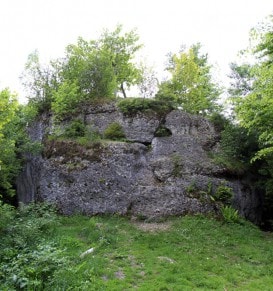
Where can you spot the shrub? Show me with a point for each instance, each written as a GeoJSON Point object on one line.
{"type": "Point", "coordinates": [218, 120]}
{"type": "Point", "coordinates": [223, 194]}
{"type": "Point", "coordinates": [114, 131]}
{"type": "Point", "coordinates": [229, 214]}
{"type": "Point", "coordinates": [132, 106]}
{"type": "Point", "coordinates": [237, 147]}
{"type": "Point", "coordinates": [31, 268]}
{"type": "Point", "coordinates": [75, 129]}
{"type": "Point", "coordinates": [66, 100]}
{"type": "Point", "coordinates": [28, 260]}
{"type": "Point", "coordinates": [90, 137]}
{"type": "Point", "coordinates": [6, 215]}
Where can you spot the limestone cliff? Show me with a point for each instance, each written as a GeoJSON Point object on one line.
{"type": "Point", "coordinates": [148, 176]}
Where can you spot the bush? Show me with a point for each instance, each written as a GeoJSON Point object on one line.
{"type": "Point", "coordinates": [223, 194]}
{"type": "Point", "coordinates": [90, 137]}
{"type": "Point", "coordinates": [132, 106]}
{"type": "Point", "coordinates": [6, 215]}
{"type": "Point", "coordinates": [230, 215]}
{"type": "Point", "coordinates": [114, 131]}
{"type": "Point", "coordinates": [31, 268]}
{"type": "Point", "coordinates": [28, 258]}
{"type": "Point", "coordinates": [237, 147]}
{"type": "Point", "coordinates": [75, 129]}
{"type": "Point", "coordinates": [218, 120]}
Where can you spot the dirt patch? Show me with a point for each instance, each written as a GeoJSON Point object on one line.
{"type": "Point", "coordinates": [70, 149]}
{"type": "Point", "coordinates": [153, 227]}
{"type": "Point", "coordinates": [120, 275]}
{"type": "Point", "coordinates": [166, 259]}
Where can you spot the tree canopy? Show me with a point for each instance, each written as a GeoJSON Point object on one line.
{"type": "Point", "coordinates": [191, 85]}
{"type": "Point", "coordinates": [14, 140]}
{"type": "Point", "coordinates": [254, 102]}
{"type": "Point", "coordinates": [8, 159]}
{"type": "Point", "coordinates": [95, 69]}
{"type": "Point", "coordinates": [252, 98]}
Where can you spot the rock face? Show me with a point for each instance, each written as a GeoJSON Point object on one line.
{"type": "Point", "coordinates": [149, 176]}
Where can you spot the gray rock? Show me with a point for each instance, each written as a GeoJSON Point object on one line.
{"type": "Point", "coordinates": [140, 128]}
{"type": "Point", "coordinates": [150, 177]}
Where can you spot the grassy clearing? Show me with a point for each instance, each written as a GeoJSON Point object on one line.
{"type": "Point", "coordinates": [187, 253]}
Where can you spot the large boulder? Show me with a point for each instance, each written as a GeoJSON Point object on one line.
{"type": "Point", "coordinates": [150, 176]}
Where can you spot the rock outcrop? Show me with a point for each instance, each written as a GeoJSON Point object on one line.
{"type": "Point", "coordinates": [148, 176]}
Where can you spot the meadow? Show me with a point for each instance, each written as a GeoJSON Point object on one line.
{"type": "Point", "coordinates": [41, 250]}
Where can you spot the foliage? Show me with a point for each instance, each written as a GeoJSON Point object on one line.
{"type": "Point", "coordinates": [91, 136]}
{"type": "Point", "coordinates": [13, 140]}
{"type": "Point", "coordinates": [114, 131]}
{"type": "Point", "coordinates": [253, 105]}
{"type": "Point", "coordinates": [254, 108]}
{"type": "Point", "coordinates": [230, 215]}
{"type": "Point", "coordinates": [237, 147]}
{"type": "Point", "coordinates": [6, 215]}
{"type": "Point", "coordinates": [219, 121]}
{"type": "Point", "coordinates": [223, 194]}
{"type": "Point", "coordinates": [8, 107]}
{"type": "Point", "coordinates": [28, 260]}
{"type": "Point", "coordinates": [191, 85]}
{"type": "Point", "coordinates": [96, 70]}
{"type": "Point", "coordinates": [87, 67]}
{"type": "Point", "coordinates": [90, 70]}
{"type": "Point", "coordinates": [75, 129]}
{"type": "Point", "coordinates": [40, 81]}
{"type": "Point", "coordinates": [242, 80]}
{"type": "Point", "coordinates": [132, 106]}
{"type": "Point", "coordinates": [66, 100]}
{"type": "Point", "coordinates": [122, 49]}
{"type": "Point", "coordinates": [255, 111]}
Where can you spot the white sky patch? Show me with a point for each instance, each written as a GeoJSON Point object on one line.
{"type": "Point", "coordinates": [222, 28]}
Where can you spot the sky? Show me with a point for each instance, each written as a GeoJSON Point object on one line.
{"type": "Point", "coordinates": [222, 27]}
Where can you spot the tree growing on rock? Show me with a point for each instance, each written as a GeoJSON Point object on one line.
{"type": "Point", "coordinates": [122, 49]}
{"type": "Point", "coordinates": [90, 70]}
{"type": "Point", "coordinates": [190, 85]}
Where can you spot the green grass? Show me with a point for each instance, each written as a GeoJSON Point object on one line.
{"type": "Point", "coordinates": [190, 253]}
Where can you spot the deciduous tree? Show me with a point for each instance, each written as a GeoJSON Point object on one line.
{"type": "Point", "coordinates": [191, 84]}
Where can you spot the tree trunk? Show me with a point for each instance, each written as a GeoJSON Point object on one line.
{"type": "Point", "coordinates": [123, 91]}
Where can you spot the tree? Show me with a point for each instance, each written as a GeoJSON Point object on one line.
{"type": "Point", "coordinates": [8, 161]}
{"type": "Point", "coordinates": [95, 70]}
{"type": "Point", "coordinates": [148, 82]}
{"type": "Point", "coordinates": [254, 107]}
{"type": "Point", "coordinates": [242, 79]}
{"type": "Point", "coordinates": [8, 107]}
{"type": "Point", "coordinates": [191, 85]}
{"type": "Point", "coordinates": [122, 49]}
{"type": "Point", "coordinates": [13, 140]}
{"type": "Point", "coordinates": [88, 65]}
{"type": "Point", "coordinates": [255, 110]}
{"type": "Point", "coordinates": [40, 81]}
